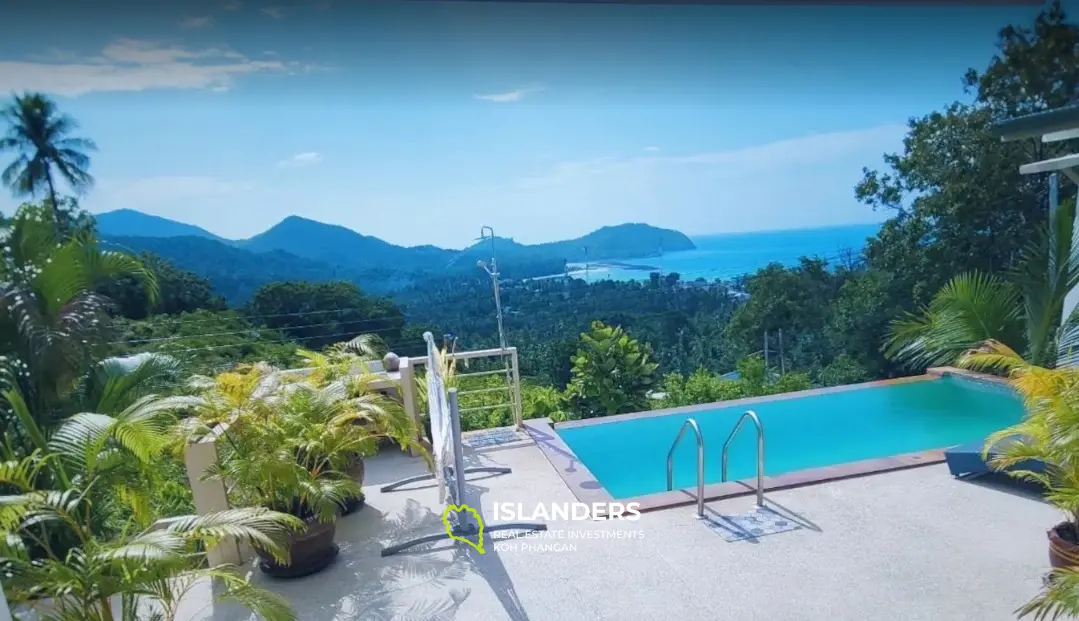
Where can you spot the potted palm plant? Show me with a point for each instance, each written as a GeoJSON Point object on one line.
{"type": "Point", "coordinates": [1043, 448]}
{"type": "Point", "coordinates": [267, 429]}
{"type": "Point", "coordinates": [378, 417]}
{"type": "Point", "coordinates": [286, 444]}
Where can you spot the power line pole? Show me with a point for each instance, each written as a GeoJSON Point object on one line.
{"type": "Point", "coordinates": [587, 279]}
{"type": "Point", "coordinates": [766, 351]}
{"type": "Point", "coordinates": [782, 360]}
{"type": "Point", "coordinates": [661, 258]}
{"type": "Point", "coordinates": [565, 279]}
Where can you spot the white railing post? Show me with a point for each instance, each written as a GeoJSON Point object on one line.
{"type": "Point", "coordinates": [518, 409]}
{"type": "Point", "coordinates": [408, 399]}
{"type": "Point", "coordinates": [210, 496]}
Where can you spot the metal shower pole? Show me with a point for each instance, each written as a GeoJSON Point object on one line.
{"type": "Point", "coordinates": [492, 271]}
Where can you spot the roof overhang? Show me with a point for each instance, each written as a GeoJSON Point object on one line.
{"type": "Point", "coordinates": [1050, 123]}
{"type": "Point", "coordinates": [1051, 126]}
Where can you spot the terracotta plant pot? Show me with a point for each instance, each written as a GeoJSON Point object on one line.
{"type": "Point", "coordinates": [1063, 546]}
{"type": "Point", "coordinates": [355, 472]}
{"type": "Point", "coordinates": [310, 550]}
{"type": "Point", "coordinates": [352, 505]}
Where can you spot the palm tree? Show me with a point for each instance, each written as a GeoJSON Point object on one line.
{"type": "Point", "coordinates": [52, 323]}
{"type": "Point", "coordinates": [40, 136]}
{"type": "Point", "coordinates": [1023, 310]}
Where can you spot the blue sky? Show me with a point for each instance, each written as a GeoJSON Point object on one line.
{"type": "Point", "coordinates": [420, 122]}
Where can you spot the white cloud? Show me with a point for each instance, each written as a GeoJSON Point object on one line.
{"type": "Point", "coordinates": [651, 149]}
{"type": "Point", "coordinates": [204, 21]}
{"type": "Point", "coordinates": [511, 96]}
{"type": "Point", "coordinates": [799, 182]}
{"type": "Point", "coordinates": [275, 12]}
{"type": "Point", "coordinates": [133, 65]}
{"type": "Point", "coordinates": [233, 5]}
{"type": "Point", "coordinates": [806, 150]}
{"type": "Point", "coordinates": [307, 158]}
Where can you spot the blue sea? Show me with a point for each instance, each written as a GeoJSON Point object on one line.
{"type": "Point", "coordinates": [727, 255]}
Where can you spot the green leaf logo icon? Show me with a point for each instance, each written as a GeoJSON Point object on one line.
{"type": "Point", "coordinates": [478, 544]}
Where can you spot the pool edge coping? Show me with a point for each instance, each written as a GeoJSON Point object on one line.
{"type": "Point", "coordinates": [588, 489]}
{"type": "Point", "coordinates": [811, 392]}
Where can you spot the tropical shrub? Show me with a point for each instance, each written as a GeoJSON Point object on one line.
{"type": "Point", "coordinates": [543, 402]}
{"type": "Point", "coordinates": [699, 387]}
{"type": "Point", "coordinates": [52, 323]}
{"type": "Point", "coordinates": [612, 372]}
{"type": "Point", "coordinates": [77, 521]}
{"type": "Point", "coordinates": [1049, 433]}
{"type": "Point", "coordinates": [842, 370]}
{"type": "Point", "coordinates": [1023, 310]}
{"type": "Point", "coordinates": [751, 381]}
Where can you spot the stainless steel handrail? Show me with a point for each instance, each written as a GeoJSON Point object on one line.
{"type": "Point", "coordinates": [700, 462]}
{"type": "Point", "coordinates": [760, 452]}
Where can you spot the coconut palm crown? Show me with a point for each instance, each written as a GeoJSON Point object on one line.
{"type": "Point", "coordinates": [40, 137]}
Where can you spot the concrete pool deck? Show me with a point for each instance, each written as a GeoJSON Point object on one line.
{"type": "Point", "coordinates": [912, 544]}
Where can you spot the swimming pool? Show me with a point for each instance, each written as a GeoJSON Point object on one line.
{"type": "Point", "coordinates": [628, 454]}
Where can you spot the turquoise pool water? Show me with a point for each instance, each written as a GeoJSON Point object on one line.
{"type": "Point", "coordinates": [629, 457]}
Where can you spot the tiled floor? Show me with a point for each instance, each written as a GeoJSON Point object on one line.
{"type": "Point", "coordinates": [753, 524]}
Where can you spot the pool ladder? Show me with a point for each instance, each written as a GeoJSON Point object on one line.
{"type": "Point", "coordinates": [691, 423]}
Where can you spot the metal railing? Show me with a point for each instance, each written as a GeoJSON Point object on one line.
{"type": "Point", "coordinates": [760, 452]}
{"type": "Point", "coordinates": [700, 462]}
{"type": "Point", "coordinates": [511, 371]}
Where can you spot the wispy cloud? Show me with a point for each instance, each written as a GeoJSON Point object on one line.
{"type": "Point", "coordinates": [204, 21]}
{"type": "Point", "coordinates": [651, 149]}
{"type": "Point", "coordinates": [275, 12]}
{"type": "Point", "coordinates": [127, 65]}
{"type": "Point", "coordinates": [511, 96]}
{"type": "Point", "coordinates": [233, 5]}
{"type": "Point", "coordinates": [801, 151]}
{"type": "Point", "coordinates": [301, 159]}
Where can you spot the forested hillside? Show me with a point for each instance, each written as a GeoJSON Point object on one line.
{"type": "Point", "coordinates": [300, 249]}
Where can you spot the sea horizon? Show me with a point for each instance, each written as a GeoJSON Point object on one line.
{"type": "Point", "coordinates": [728, 255]}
